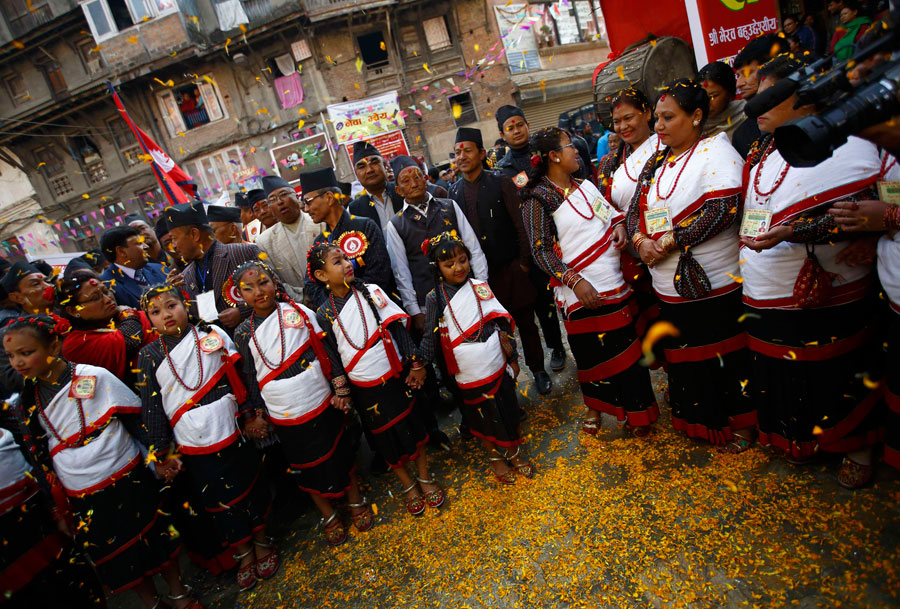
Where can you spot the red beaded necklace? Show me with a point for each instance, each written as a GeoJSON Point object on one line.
{"type": "Point", "coordinates": [280, 336]}
{"type": "Point", "coordinates": [672, 163]}
{"type": "Point", "coordinates": [625, 161]}
{"type": "Point", "coordinates": [199, 362]}
{"type": "Point", "coordinates": [81, 419]}
{"type": "Point", "coordinates": [459, 329]}
{"type": "Point", "coordinates": [362, 316]}
{"type": "Point", "coordinates": [569, 201]}
{"type": "Point", "coordinates": [759, 170]}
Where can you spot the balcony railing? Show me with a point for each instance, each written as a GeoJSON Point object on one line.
{"type": "Point", "coordinates": [21, 25]}
{"type": "Point", "coordinates": [319, 10]}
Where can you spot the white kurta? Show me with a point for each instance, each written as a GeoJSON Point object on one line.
{"type": "Point", "coordinates": [286, 245]}
{"type": "Point", "coordinates": [769, 275]}
{"type": "Point", "coordinates": [626, 176]}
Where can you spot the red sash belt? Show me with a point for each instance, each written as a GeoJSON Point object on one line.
{"type": "Point", "coordinates": [604, 323]}
{"type": "Point", "coordinates": [810, 353]}
{"type": "Point", "coordinates": [705, 352]}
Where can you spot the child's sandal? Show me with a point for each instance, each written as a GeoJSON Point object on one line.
{"type": "Point", "coordinates": [507, 477]}
{"type": "Point", "coordinates": [414, 505]}
{"type": "Point", "coordinates": [267, 567]}
{"type": "Point", "coordinates": [526, 469]}
{"type": "Point", "coordinates": [335, 532]}
{"type": "Point", "coordinates": [365, 520]}
{"type": "Point", "coordinates": [434, 499]}
{"type": "Point", "coordinates": [246, 575]}
{"type": "Point", "coordinates": [590, 426]}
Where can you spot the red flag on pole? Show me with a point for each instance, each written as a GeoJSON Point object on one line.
{"type": "Point", "coordinates": [173, 180]}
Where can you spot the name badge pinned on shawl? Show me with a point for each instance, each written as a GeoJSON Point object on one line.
{"type": "Point", "coordinates": [292, 319]}
{"type": "Point", "coordinates": [658, 220]}
{"type": "Point", "coordinates": [483, 292]}
{"type": "Point", "coordinates": [83, 387]}
{"type": "Point", "coordinates": [354, 243]}
{"type": "Point", "coordinates": [889, 191]}
{"type": "Point", "coordinates": [602, 209]}
{"type": "Point", "coordinates": [378, 298]}
{"type": "Point", "coordinates": [211, 342]}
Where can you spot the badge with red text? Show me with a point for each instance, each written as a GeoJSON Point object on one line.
{"type": "Point", "coordinates": [292, 319]}
{"type": "Point", "coordinates": [211, 342]}
{"type": "Point", "coordinates": [483, 292]}
{"type": "Point", "coordinates": [83, 387]}
{"type": "Point", "coordinates": [379, 299]}
{"type": "Point", "coordinates": [520, 180]}
{"type": "Point", "coordinates": [354, 244]}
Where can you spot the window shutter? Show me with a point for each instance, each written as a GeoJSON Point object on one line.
{"type": "Point", "coordinates": [436, 34]}
{"type": "Point", "coordinates": [210, 101]}
{"type": "Point", "coordinates": [170, 112]}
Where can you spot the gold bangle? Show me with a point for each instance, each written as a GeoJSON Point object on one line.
{"type": "Point", "coordinates": [667, 242]}
{"type": "Point", "coordinates": [637, 239]}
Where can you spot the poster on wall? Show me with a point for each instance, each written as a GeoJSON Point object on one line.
{"type": "Point", "coordinates": [721, 28]}
{"type": "Point", "coordinates": [301, 156]}
{"type": "Point", "coordinates": [389, 144]}
{"type": "Point", "coordinates": [364, 117]}
{"type": "Point", "coordinates": [515, 21]}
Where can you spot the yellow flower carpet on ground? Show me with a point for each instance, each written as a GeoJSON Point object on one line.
{"type": "Point", "coordinates": [614, 521]}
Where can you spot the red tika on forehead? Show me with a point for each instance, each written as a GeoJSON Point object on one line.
{"type": "Point", "coordinates": [662, 97]}
{"type": "Point", "coordinates": [93, 282]}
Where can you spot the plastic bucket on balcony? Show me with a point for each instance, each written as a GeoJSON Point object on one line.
{"type": "Point", "coordinates": [647, 66]}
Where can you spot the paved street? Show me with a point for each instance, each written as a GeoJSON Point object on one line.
{"type": "Point", "coordinates": [608, 522]}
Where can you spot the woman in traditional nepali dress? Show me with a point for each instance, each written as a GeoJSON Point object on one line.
{"type": "Point", "coordinates": [192, 393]}
{"type": "Point", "coordinates": [575, 237]}
{"type": "Point", "coordinates": [468, 329]}
{"type": "Point", "coordinates": [103, 334]}
{"type": "Point", "coordinates": [84, 422]}
{"type": "Point", "coordinates": [681, 221]}
{"type": "Point", "coordinates": [380, 359]}
{"type": "Point", "coordinates": [813, 324]}
{"type": "Point", "coordinates": [632, 116]}
{"type": "Point", "coordinates": [289, 368]}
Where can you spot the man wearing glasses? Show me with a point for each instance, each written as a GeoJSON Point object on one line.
{"type": "Point", "coordinates": [288, 241]}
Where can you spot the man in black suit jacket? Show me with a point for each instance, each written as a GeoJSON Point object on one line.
{"type": "Point", "coordinates": [130, 272]}
{"type": "Point", "coordinates": [210, 263]}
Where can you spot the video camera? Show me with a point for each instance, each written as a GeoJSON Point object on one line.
{"type": "Point", "coordinates": [845, 109]}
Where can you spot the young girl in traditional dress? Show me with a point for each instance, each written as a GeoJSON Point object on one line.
{"type": "Point", "coordinates": [370, 334]}
{"type": "Point", "coordinates": [473, 332]}
{"type": "Point", "coordinates": [576, 236]}
{"type": "Point", "coordinates": [289, 370]}
{"type": "Point", "coordinates": [84, 423]}
{"type": "Point", "coordinates": [192, 392]}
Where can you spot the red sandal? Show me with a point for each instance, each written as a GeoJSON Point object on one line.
{"type": "Point", "coordinates": [434, 499]}
{"type": "Point", "coordinates": [853, 475]}
{"type": "Point", "coordinates": [267, 567]}
{"type": "Point", "coordinates": [365, 520]}
{"type": "Point", "coordinates": [246, 575]}
{"type": "Point", "coordinates": [335, 532]}
{"type": "Point", "coordinates": [526, 469]}
{"type": "Point", "coordinates": [509, 476]}
{"type": "Point", "coordinates": [414, 505]}
{"type": "Point", "coordinates": [590, 426]}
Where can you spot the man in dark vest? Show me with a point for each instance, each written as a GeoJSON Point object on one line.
{"type": "Point", "coordinates": [516, 164]}
{"type": "Point", "coordinates": [423, 217]}
{"type": "Point", "coordinates": [491, 204]}
{"type": "Point", "coordinates": [359, 237]}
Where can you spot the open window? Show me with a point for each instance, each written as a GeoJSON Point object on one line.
{"type": "Point", "coordinates": [107, 18]}
{"type": "Point", "coordinates": [373, 49]}
{"type": "Point", "coordinates": [462, 107]}
{"type": "Point", "coordinates": [191, 105]}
